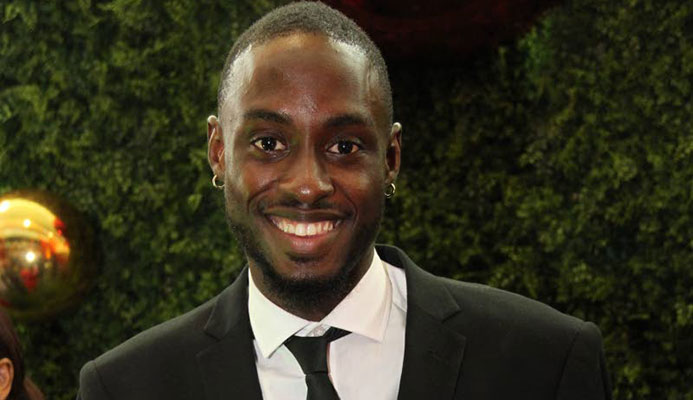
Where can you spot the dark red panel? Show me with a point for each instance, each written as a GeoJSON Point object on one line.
{"type": "Point", "coordinates": [441, 30]}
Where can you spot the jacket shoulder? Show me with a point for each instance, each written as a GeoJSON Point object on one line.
{"type": "Point", "coordinates": [156, 360]}
{"type": "Point", "coordinates": [511, 310]}
{"type": "Point", "coordinates": [483, 304]}
{"type": "Point", "coordinates": [183, 333]}
{"type": "Point", "coordinates": [519, 340]}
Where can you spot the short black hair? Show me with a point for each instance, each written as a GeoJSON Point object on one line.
{"type": "Point", "coordinates": [309, 17]}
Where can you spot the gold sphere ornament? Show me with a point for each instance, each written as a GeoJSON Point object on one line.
{"type": "Point", "coordinates": [47, 255]}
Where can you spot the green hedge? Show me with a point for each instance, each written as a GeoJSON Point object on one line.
{"type": "Point", "coordinates": [558, 167]}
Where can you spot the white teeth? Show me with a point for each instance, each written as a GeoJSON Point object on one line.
{"type": "Point", "coordinates": [311, 230]}
{"type": "Point", "coordinates": [303, 228]}
{"type": "Point", "coordinates": [300, 229]}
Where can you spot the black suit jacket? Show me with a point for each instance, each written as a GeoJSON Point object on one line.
{"type": "Point", "coordinates": [463, 341]}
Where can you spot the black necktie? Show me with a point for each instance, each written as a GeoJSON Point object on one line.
{"type": "Point", "coordinates": [311, 354]}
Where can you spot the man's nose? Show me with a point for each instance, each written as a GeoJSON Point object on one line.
{"type": "Point", "coordinates": [307, 179]}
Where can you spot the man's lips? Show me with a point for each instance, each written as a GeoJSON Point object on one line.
{"type": "Point", "coordinates": [304, 228]}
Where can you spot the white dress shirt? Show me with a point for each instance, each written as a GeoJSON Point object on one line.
{"type": "Point", "coordinates": [367, 364]}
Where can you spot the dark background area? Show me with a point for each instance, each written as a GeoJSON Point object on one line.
{"type": "Point", "coordinates": [554, 162]}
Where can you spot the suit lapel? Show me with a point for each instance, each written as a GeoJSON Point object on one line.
{"type": "Point", "coordinates": [433, 352]}
{"type": "Point", "coordinates": [228, 366]}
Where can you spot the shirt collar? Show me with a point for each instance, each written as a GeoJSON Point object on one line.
{"type": "Point", "coordinates": [364, 311]}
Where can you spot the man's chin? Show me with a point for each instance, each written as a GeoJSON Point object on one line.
{"type": "Point", "coordinates": [309, 289]}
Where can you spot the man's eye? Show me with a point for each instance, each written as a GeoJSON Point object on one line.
{"type": "Point", "coordinates": [268, 144]}
{"type": "Point", "coordinates": [344, 147]}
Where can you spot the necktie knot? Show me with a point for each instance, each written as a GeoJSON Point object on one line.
{"type": "Point", "coordinates": [311, 354]}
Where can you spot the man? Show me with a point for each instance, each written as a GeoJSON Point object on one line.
{"type": "Point", "coordinates": [306, 152]}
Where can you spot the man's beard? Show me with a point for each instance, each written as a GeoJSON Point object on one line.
{"type": "Point", "coordinates": [308, 294]}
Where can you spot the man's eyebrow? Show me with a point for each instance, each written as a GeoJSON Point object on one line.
{"type": "Point", "coordinates": [267, 115]}
{"type": "Point", "coordinates": [346, 120]}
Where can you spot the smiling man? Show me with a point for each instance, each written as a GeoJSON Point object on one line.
{"type": "Point", "coordinates": [306, 149]}
{"type": "Point", "coordinates": [306, 152]}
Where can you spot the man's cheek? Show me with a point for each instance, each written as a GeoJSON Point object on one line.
{"type": "Point", "coordinates": [256, 179]}
{"type": "Point", "coordinates": [367, 187]}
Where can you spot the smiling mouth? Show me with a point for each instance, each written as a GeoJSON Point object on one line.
{"type": "Point", "coordinates": [304, 229]}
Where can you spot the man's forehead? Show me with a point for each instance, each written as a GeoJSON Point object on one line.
{"type": "Point", "coordinates": [306, 41]}
{"type": "Point", "coordinates": [305, 53]}
{"type": "Point", "coordinates": [298, 58]}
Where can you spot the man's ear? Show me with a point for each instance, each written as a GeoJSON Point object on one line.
{"type": "Point", "coordinates": [394, 153]}
{"type": "Point", "coordinates": [6, 377]}
{"type": "Point", "coordinates": [215, 146]}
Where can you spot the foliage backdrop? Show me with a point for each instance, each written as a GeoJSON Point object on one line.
{"type": "Point", "coordinates": [558, 166]}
